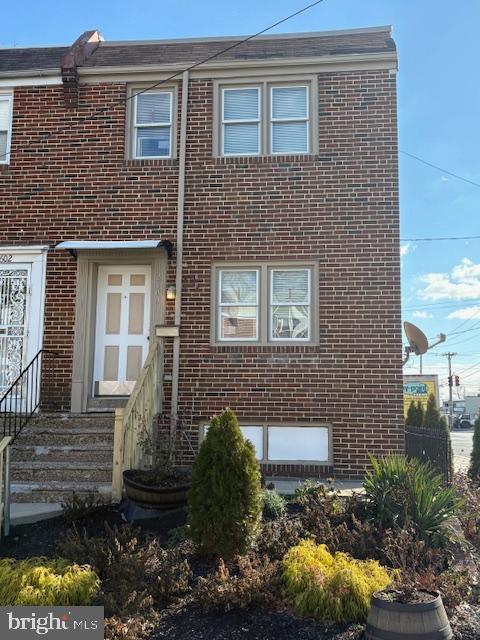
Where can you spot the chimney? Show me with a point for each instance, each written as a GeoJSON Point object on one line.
{"type": "Point", "coordinates": [81, 49]}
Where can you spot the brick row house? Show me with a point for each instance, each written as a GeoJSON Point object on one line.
{"type": "Point", "coordinates": [245, 213]}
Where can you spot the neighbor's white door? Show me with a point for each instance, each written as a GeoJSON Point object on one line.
{"type": "Point", "coordinates": [122, 327]}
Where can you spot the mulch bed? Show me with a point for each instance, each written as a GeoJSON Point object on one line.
{"type": "Point", "coordinates": [255, 624]}
{"type": "Point", "coordinates": [42, 538]}
{"type": "Point", "coordinates": [188, 621]}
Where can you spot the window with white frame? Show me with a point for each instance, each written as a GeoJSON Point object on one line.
{"type": "Point", "coordinates": [287, 442]}
{"type": "Point", "coordinates": [5, 127]}
{"type": "Point", "coordinates": [264, 304]}
{"type": "Point", "coordinates": [152, 124]}
{"type": "Point", "coordinates": [241, 121]}
{"type": "Point", "coordinates": [264, 119]}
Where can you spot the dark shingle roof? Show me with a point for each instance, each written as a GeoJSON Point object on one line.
{"type": "Point", "coordinates": [188, 51]}
{"type": "Point", "coordinates": [30, 59]}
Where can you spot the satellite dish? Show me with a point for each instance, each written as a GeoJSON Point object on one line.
{"type": "Point", "coordinates": [417, 340]}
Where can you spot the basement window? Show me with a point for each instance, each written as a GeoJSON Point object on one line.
{"type": "Point", "coordinates": [295, 443]}
{"type": "Point", "coordinates": [152, 124]}
{"type": "Point", "coordinates": [6, 102]}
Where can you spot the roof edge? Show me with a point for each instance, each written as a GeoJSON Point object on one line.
{"type": "Point", "coordinates": [291, 35]}
{"type": "Point", "coordinates": [272, 36]}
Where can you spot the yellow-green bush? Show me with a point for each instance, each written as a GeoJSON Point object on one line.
{"type": "Point", "coordinates": [42, 582]}
{"type": "Point", "coordinates": [331, 587]}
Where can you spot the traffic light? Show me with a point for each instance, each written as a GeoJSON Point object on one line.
{"type": "Point", "coordinates": [457, 381]}
{"type": "Point", "coordinates": [450, 381]}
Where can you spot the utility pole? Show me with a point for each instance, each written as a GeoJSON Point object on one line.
{"type": "Point", "coordinates": [450, 355]}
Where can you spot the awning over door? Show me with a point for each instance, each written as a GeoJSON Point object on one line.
{"type": "Point", "coordinates": [119, 245]}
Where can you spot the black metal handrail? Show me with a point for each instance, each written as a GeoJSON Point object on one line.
{"type": "Point", "coordinates": [23, 397]}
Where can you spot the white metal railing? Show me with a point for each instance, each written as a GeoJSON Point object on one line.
{"type": "Point", "coordinates": [134, 423]}
{"type": "Point", "coordinates": [5, 485]}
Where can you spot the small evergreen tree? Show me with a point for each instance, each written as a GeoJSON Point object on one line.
{"type": "Point", "coordinates": [224, 502]}
{"type": "Point", "coordinates": [411, 419]}
{"type": "Point", "coordinates": [474, 470]}
{"type": "Point", "coordinates": [431, 418]}
{"type": "Point", "coordinates": [420, 414]}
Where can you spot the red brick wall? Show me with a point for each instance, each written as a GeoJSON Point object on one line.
{"type": "Point", "coordinates": [339, 208]}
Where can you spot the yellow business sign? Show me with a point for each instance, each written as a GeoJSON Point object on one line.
{"type": "Point", "coordinates": [417, 390]}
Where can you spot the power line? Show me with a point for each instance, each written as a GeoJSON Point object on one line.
{"type": "Point", "coordinates": [439, 238]}
{"type": "Point", "coordinates": [197, 64]}
{"type": "Point", "coordinates": [434, 166]}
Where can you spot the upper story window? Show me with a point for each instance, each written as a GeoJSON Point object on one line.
{"type": "Point", "coordinates": [6, 101]}
{"type": "Point", "coordinates": [289, 119]}
{"type": "Point", "coordinates": [241, 121]}
{"type": "Point", "coordinates": [268, 118]}
{"type": "Point", "coordinates": [152, 129]}
{"type": "Point", "coordinates": [264, 304]}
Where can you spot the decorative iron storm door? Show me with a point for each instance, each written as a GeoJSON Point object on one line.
{"type": "Point", "coordinates": [14, 293]}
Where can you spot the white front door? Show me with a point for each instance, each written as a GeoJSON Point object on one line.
{"type": "Point", "coordinates": [122, 327]}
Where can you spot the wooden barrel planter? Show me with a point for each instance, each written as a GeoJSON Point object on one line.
{"type": "Point", "coordinates": [154, 497]}
{"type": "Point", "coordinates": [390, 620]}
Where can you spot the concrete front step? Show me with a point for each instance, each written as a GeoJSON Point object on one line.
{"type": "Point", "coordinates": [57, 491]}
{"type": "Point", "coordinates": [100, 452]}
{"type": "Point", "coordinates": [38, 471]}
{"type": "Point", "coordinates": [62, 436]}
{"type": "Point", "coordinates": [57, 454]}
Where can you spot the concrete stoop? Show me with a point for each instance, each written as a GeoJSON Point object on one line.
{"type": "Point", "coordinates": [58, 454]}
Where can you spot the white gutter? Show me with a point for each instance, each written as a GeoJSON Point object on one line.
{"type": "Point", "coordinates": [179, 255]}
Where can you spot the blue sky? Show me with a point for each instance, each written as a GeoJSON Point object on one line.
{"type": "Point", "coordinates": [439, 100]}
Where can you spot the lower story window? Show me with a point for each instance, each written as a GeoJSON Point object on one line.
{"type": "Point", "coordinates": [265, 303]}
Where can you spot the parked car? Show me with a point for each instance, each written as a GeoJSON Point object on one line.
{"type": "Point", "coordinates": [465, 421]}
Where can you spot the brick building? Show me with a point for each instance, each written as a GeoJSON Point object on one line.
{"type": "Point", "coordinates": [263, 185]}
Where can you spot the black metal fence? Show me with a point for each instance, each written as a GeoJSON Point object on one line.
{"type": "Point", "coordinates": [431, 445]}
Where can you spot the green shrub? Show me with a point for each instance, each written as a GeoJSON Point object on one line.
{"type": "Point", "coordinates": [224, 502]}
{"type": "Point", "coordinates": [403, 493]}
{"type": "Point", "coordinates": [42, 582]}
{"type": "Point", "coordinates": [273, 505]}
{"type": "Point", "coordinates": [250, 580]}
{"type": "Point", "coordinates": [414, 415]}
{"type": "Point", "coordinates": [431, 418]}
{"type": "Point", "coordinates": [331, 587]}
{"type": "Point", "coordinates": [474, 469]}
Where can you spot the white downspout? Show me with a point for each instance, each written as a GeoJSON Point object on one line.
{"type": "Point", "coordinates": [179, 253]}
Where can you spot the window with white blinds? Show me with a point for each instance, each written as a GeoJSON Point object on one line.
{"type": "Point", "coordinates": [265, 119]}
{"type": "Point", "coordinates": [289, 119]}
{"type": "Point", "coordinates": [238, 304]}
{"type": "Point", "coordinates": [152, 124]}
{"type": "Point", "coordinates": [241, 121]}
{"type": "Point", "coordinates": [5, 127]}
{"type": "Point", "coordinates": [289, 307]}
{"type": "Point", "coordinates": [265, 304]}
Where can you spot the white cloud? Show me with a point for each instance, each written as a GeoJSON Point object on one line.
{"type": "Point", "coordinates": [464, 314]}
{"type": "Point", "coordinates": [463, 283]}
{"type": "Point", "coordinates": [422, 314]}
{"type": "Point", "coordinates": [407, 248]}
